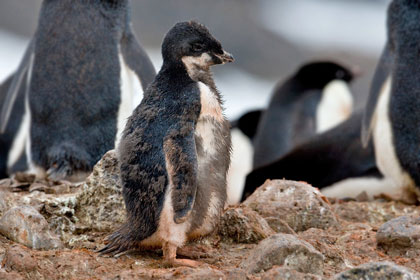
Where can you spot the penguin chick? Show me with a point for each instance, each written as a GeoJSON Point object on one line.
{"type": "Point", "coordinates": [313, 100]}
{"type": "Point", "coordinates": [175, 150]}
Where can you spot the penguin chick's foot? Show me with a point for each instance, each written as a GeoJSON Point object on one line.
{"type": "Point", "coordinates": [193, 251]}
{"type": "Point", "coordinates": [169, 255]}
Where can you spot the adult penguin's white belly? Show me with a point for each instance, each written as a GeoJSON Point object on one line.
{"type": "Point", "coordinates": [131, 96]}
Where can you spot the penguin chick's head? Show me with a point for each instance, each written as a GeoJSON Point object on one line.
{"type": "Point", "coordinates": [192, 44]}
{"type": "Point", "coordinates": [319, 74]}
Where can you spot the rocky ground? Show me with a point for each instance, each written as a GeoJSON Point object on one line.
{"type": "Point", "coordinates": [286, 230]}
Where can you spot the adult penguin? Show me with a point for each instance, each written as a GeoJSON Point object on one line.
{"type": "Point", "coordinates": [327, 158]}
{"type": "Point", "coordinates": [392, 112]}
{"type": "Point", "coordinates": [313, 100]}
{"type": "Point", "coordinates": [83, 73]}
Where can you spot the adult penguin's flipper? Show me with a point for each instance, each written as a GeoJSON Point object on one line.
{"type": "Point", "coordinates": [18, 81]}
{"type": "Point", "coordinates": [136, 58]}
{"type": "Point", "coordinates": [380, 79]}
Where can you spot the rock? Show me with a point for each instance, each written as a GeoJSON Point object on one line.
{"type": "Point", "coordinates": [279, 226]}
{"type": "Point", "coordinates": [19, 259]}
{"type": "Point", "coordinates": [26, 226]}
{"type": "Point", "coordinates": [280, 273]}
{"type": "Point", "coordinates": [100, 205]}
{"type": "Point", "coordinates": [58, 189]}
{"type": "Point", "coordinates": [362, 197]}
{"type": "Point", "coordinates": [60, 214]}
{"type": "Point", "coordinates": [37, 187]}
{"type": "Point", "coordinates": [6, 183]}
{"type": "Point", "coordinates": [400, 232]}
{"type": "Point", "coordinates": [300, 205]}
{"type": "Point", "coordinates": [286, 250]}
{"type": "Point", "coordinates": [379, 270]}
{"type": "Point", "coordinates": [3, 202]}
{"type": "Point", "coordinates": [242, 225]}
{"type": "Point", "coordinates": [24, 177]}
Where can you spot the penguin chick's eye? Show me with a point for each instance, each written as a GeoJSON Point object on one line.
{"type": "Point", "coordinates": [197, 47]}
{"type": "Point", "coordinates": [339, 74]}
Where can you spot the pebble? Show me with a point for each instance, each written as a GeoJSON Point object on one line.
{"type": "Point", "coordinates": [25, 225]}
{"type": "Point", "coordinates": [379, 270]}
{"type": "Point", "coordinates": [286, 250]}
{"type": "Point", "coordinates": [242, 225]}
{"type": "Point", "coordinates": [281, 273]}
{"type": "Point", "coordinates": [403, 232]}
{"type": "Point", "coordinates": [100, 205]}
{"type": "Point", "coordinates": [298, 204]}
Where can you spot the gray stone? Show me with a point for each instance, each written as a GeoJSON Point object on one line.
{"type": "Point", "coordinates": [26, 226]}
{"type": "Point", "coordinates": [281, 273]}
{"type": "Point", "coordinates": [298, 204]}
{"type": "Point", "coordinates": [279, 226]}
{"type": "Point", "coordinates": [100, 205]}
{"type": "Point", "coordinates": [3, 202]}
{"type": "Point", "coordinates": [400, 232]}
{"type": "Point", "coordinates": [379, 271]}
{"type": "Point", "coordinates": [286, 250]}
{"type": "Point", "coordinates": [59, 210]}
{"type": "Point", "coordinates": [242, 225]}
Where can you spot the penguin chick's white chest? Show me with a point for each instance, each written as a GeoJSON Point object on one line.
{"type": "Point", "coordinates": [210, 114]}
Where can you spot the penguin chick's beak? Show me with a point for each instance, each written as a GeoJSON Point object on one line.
{"type": "Point", "coordinates": [225, 57]}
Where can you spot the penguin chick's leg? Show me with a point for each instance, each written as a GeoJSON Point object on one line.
{"type": "Point", "coordinates": [169, 255]}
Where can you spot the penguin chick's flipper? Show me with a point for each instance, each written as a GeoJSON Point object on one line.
{"type": "Point", "coordinates": [136, 58]}
{"type": "Point", "coordinates": [383, 72]}
{"type": "Point", "coordinates": [17, 82]}
{"type": "Point", "coordinates": [181, 165]}
{"type": "Point", "coordinates": [248, 123]}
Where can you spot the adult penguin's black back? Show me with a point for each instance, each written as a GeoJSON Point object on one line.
{"type": "Point", "coordinates": [325, 159]}
{"type": "Point", "coordinates": [313, 100]}
{"type": "Point", "coordinates": [85, 68]}
{"type": "Point", "coordinates": [392, 113]}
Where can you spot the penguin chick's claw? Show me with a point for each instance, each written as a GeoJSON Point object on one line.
{"type": "Point", "coordinates": [169, 256]}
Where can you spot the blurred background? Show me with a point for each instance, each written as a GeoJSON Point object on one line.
{"type": "Point", "coordinates": [268, 38]}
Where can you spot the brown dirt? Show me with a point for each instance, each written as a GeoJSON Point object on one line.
{"type": "Point", "coordinates": [346, 245]}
